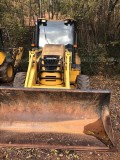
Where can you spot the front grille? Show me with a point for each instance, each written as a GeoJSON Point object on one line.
{"type": "Point", "coordinates": [51, 62]}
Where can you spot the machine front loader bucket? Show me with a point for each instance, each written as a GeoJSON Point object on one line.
{"type": "Point", "coordinates": [59, 119]}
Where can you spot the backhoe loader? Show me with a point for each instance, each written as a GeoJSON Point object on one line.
{"type": "Point", "coordinates": [52, 105]}
{"type": "Point", "coordinates": [8, 65]}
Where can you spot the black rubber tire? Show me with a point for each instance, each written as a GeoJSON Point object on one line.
{"type": "Point", "coordinates": [19, 79]}
{"type": "Point", "coordinates": [4, 75]}
{"type": "Point", "coordinates": [83, 82]}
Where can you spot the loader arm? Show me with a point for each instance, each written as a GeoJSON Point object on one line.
{"type": "Point", "coordinates": [31, 77]}
{"type": "Point", "coordinates": [67, 69]}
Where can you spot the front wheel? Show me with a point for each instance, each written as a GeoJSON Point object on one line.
{"type": "Point", "coordinates": [83, 82]}
{"type": "Point", "coordinates": [6, 72]}
{"type": "Point", "coordinates": [19, 79]}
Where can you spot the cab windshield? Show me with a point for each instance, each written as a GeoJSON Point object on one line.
{"type": "Point", "coordinates": [56, 32]}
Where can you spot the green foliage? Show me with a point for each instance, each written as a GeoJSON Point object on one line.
{"type": "Point", "coordinates": [98, 26]}
{"type": "Point", "coordinates": [99, 62]}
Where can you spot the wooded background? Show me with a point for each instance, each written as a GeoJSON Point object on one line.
{"type": "Point", "coordinates": [98, 28]}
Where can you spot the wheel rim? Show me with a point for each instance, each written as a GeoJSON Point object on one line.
{"type": "Point", "coordinates": [10, 71]}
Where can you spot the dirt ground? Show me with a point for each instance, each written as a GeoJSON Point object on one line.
{"type": "Point", "coordinates": [98, 82]}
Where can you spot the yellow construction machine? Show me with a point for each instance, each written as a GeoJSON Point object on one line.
{"type": "Point", "coordinates": [8, 65]}
{"type": "Point", "coordinates": [52, 106]}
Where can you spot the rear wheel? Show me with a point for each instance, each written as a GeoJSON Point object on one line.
{"type": "Point", "coordinates": [19, 79]}
{"type": "Point", "coordinates": [7, 72]}
{"type": "Point", "coordinates": [83, 82]}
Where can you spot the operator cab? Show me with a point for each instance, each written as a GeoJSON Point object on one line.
{"type": "Point", "coordinates": [56, 32]}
